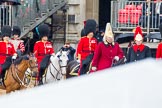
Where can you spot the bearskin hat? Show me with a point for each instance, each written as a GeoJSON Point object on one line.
{"type": "Point", "coordinates": [43, 30]}
{"type": "Point", "coordinates": [16, 30]}
{"type": "Point", "coordinates": [82, 33]}
{"type": "Point", "coordinates": [6, 31]}
{"type": "Point", "coordinates": [90, 26]}
{"type": "Point", "coordinates": [138, 34]}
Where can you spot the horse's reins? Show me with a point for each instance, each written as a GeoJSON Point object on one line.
{"type": "Point", "coordinates": [55, 77]}
{"type": "Point", "coordinates": [19, 80]}
{"type": "Point", "coordinates": [61, 67]}
{"type": "Point", "coordinates": [58, 71]}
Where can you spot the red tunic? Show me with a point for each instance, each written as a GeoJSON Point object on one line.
{"type": "Point", "coordinates": [6, 49]}
{"type": "Point", "coordinates": [41, 49]}
{"type": "Point", "coordinates": [104, 54]}
{"type": "Point", "coordinates": [86, 46]}
{"type": "Point", "coordinates": [159, 51]}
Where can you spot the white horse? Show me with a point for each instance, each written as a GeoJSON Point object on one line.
{"type": "Point", "coordinates": [55, 71]}
{"type": "Point", "coordinates": [57, 67]}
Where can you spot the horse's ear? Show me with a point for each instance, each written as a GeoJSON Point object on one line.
{"type": "Point", "coordinates": [29, 53]}
{"type": "Point", "coordinates": [32, 54]}
{"type": "Point", "coordinates": [26, 57]}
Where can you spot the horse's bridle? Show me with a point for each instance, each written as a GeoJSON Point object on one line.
{"type": "Point", "coordinates": [16, 72]}
{"type": "Point", "coordinates": [32, 67]}
{"type": "Point", "coordinates": [58, 71]}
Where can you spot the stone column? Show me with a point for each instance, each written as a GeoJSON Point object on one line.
{"type": "Point", "coordinates": [92, 9]}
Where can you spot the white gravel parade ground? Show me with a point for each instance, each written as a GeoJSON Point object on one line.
{"type": "Point", "coordinates": [135, 85]}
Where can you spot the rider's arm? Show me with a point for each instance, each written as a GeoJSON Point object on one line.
{"type": "Point", "coordinates": [13, 51]}
{"type": "Point", "coordinates": [21, 47]}
{"type": "Point", "coordinates": [35, 51]}
{"type": "Point", "coordinates": [79, 49]}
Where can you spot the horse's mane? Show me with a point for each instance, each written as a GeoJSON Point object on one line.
{"type": "Point", "coordinates": [18, 61]}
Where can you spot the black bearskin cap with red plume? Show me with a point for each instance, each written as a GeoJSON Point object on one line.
{"type": "Point", "coordinates": [16, 30]}
{"type": "Point", "coordinates": [90, 26]}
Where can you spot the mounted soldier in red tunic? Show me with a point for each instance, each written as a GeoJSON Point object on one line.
{"type": "Point", "coordinates": [16, 41]}
{"type": "Point", "coordinates": [43, 50]}
{"type": "Point", "coordinates": [7, 51]}
{"type": "Point", "coordinates": [86, 46]}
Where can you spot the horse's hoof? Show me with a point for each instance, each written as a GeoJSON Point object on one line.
{"type": "Point", "coordinates": [40, 83]}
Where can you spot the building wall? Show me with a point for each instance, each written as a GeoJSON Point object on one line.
{"type": "Point", "coordinates": [92, 9]}
{"type": "Point", "coordinates": [83, 10]}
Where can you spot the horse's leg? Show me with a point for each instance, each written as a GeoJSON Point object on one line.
{"type": "Point", "coordinates": [2, 90]}
{"type": "Point", "coordinates": [64, 77]}
{"type": "Point", "coordinates": [2, 87]}
{"type": "Point", "coordinates": [8, 90]}
{"type": "Point", "coordinates": [23, 87]}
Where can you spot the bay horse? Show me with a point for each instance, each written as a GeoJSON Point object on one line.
{"type": "Point", "coordinates": [15, 75]}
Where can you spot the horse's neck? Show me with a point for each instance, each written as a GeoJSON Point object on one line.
{"type": "Point", "coordinates": [54, 61]}
{"type": "Point", "coordinates": [22, 67]}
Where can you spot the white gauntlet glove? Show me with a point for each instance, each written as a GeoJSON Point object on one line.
{"type": "Point", "coordinates": [53, 54]}
{"type": "Point", "coordinates": [78, 61]}
{"type": "Point", "coordinates": [94, 68]}
{"type": "Point", "coordinates": [14, 57]}
{"type": "Point", "coordinates": [116, 58]}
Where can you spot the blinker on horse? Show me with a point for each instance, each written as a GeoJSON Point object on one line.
{"type": "Point", "coordinates": [15, 75]}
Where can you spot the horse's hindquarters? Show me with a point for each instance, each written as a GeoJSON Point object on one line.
{"type": "Point", "coordinates": [72, 69]}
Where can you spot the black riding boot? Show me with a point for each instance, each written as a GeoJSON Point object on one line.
{"type": "Point", "coordinates": [2, 75]}
{"type": "Point", "coordinates": [40, 77]}
{"type": "Point", "coordinates": [40, 81]}
{"type": "Point", "coordinates": [1, 83]}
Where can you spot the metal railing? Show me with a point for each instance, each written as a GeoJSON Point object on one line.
{"type": "Point", "coordinates": [5, 16]}
{"type": "Point", "coordinates": [126, 15]}
{"type": "Point", "coordinates": [28, 12]}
